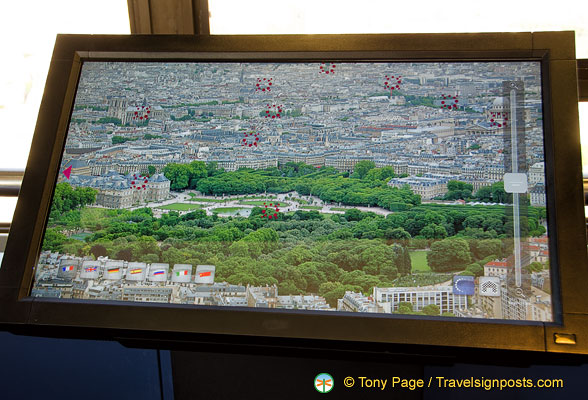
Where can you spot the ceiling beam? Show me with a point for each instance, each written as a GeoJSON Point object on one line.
{"type": "Point", "coordinates": [583, 79]}
{"type": "Point", "coordinates": [174, 17]}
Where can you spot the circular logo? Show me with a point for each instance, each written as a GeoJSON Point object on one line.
{"type": "Point", "coordinates": [324, 383]}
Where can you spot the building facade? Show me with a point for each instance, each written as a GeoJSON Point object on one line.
{"type": "Point", "coordinates": [419, 297]}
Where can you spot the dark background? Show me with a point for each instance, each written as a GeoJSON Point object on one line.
{"type": "Point", "coordinates": [49, 368]}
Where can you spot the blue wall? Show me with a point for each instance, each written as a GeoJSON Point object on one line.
{"type": "Point", "coordinates": [43, 368]}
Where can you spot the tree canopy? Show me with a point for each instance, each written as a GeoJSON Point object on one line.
{"type": "Point", "coordinates": [449, 255]}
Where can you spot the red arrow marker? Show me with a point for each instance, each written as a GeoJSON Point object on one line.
{"type": "Point", "coordinates": [67, 172]}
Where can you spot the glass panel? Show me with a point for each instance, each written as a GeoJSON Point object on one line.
{"type": "Point", "coordinates": [385, 16]}
{"type": "Point", "coordinates": [29, 29]}
{"type": "Point", "coordinates": [7, 205]}
{"type": "Point", "coordinates": [311, 186]}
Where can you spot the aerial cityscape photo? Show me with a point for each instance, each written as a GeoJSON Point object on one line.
{"type": "Point", "coordinates": [373, 187]}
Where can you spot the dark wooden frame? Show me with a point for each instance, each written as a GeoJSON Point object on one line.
{"type": "Point", "coordinates": [178, 17]}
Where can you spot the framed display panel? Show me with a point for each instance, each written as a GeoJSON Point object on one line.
{"type": "Point", "coordinates": [393, 189]}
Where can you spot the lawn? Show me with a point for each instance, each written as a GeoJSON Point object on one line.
{"type": "Point", "coordinates": [312, 207]}
{"type": "Point", "coordinates": [419, 261]}
{"type": "Point", "coordinates": [340, 209]}
{"type": "Point", "coordinates": [181, 207]}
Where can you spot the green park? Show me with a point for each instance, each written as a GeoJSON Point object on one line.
{"type": "Point", "coordinates": [304, 251]}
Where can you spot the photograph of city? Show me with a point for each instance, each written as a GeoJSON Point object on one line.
{"type": "Point", "coordinates": [372, 187]}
